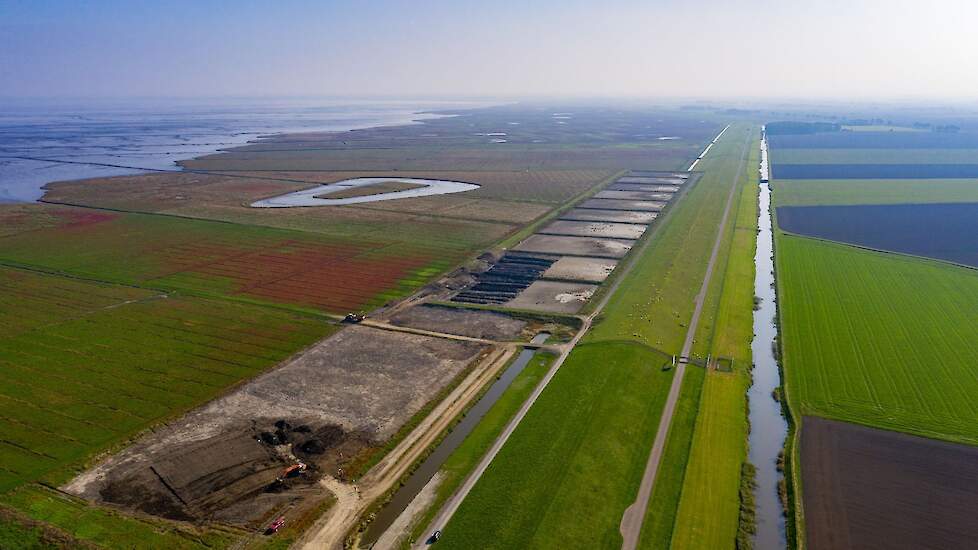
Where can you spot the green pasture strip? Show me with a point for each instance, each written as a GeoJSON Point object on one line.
{"type": "Point", "coordinates": [15, 535]}
{"type": "Point", "coordinates": [78, 385]}
{"type": "Point", "coordinates": [873, 156]}
{"type": "Point", "coordinates": [106, 528]}
{"type": "Point", "coordinates": [458, 465]}
{"type": "Point", "coordinates": [879, 339]}
{"type": "Point", "coordinates": [870, 191]}
{"type": "Point", "coordinates": [574, 463]}
{"type": "Point", "coordinates": [710, 504]}
{"type": "Point", "coordinates": [661, 515]}
{"type": "Point", "coordinates": [654, 303]}
{"type": "Point", "coordinates": [709, 508]}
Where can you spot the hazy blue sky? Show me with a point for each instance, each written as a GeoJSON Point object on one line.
{"type": "Point", "coordinates": [710, 48]}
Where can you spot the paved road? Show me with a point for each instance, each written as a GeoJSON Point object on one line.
{"type": "Point", "coordinates": [452, 504]}
{"type": "Point", "coordinates": [631, 521]}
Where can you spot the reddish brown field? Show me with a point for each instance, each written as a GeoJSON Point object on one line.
{"type": "Point", "coordinates": [21, 218]}
{"type": "Point", "coordinates": [286, 267]}
{"type": "Point", "coordinates": [325, 276]}
{"type": "Point", "coordinates": [868, 489]}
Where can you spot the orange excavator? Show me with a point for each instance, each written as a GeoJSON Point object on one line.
{"type": "Point", "coordinates": [294, 470]}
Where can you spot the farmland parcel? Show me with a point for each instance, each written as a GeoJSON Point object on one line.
{"type": "Point", "coordinates": [866, 488]}
{"type": "Point", "coordinates": [940, 231]}
{"type": "Point", "coordinates": [196, 291]}
{"type": "Point", "coordinates": [878, 339]}
{"type": "Point", "coordinates": [584, 432]}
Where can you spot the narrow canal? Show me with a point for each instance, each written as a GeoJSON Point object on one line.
{"type": "Point", "coordinates": [431, 465]}
{"type": "Point", "coordinates": [768, 427]}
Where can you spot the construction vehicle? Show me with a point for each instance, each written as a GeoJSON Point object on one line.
{"type": "Point", "coordinates": [353, 318]}
{"type": "Point", "coordinates": [275, 526]}
{"type": "Point", "coordinates": [294, 470]}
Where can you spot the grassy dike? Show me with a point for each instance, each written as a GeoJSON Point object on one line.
{"type": "Point", "coordinates": [568, 472]}
{"type": "Point", "coordinates": [725, 326]}
{"type": "Point", "coordinates": [709, 508]}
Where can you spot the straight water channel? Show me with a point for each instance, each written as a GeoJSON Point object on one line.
{"type": "Point", "coordinates": [767, 427]}
{"type": "Point", "coordinates": [431, 465]}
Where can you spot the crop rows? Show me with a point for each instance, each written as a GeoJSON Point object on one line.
{"type": "Point", "coordinates": [894, 346]}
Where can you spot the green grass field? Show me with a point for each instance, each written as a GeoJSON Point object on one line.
{"type": "Point", "coordinates": [104, 527]}
{"type": "Point", "coordinates": [573, 465]}
{"type": "Point", "coordinates": [87, 364]}
{"type": "Point", "coordinates": [661, 514]}
{"type": "Point", "coordinates": [654, 304]}
{"type": "Point", "coordinates": [825, 192]}
{"type": "Point", "coordinates": [879, 339]}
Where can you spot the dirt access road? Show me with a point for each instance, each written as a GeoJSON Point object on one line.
{"type": "Point", "coordinates": [452, 504]}
{"type": "Point", "coordinates": [353, 500]}
{"type": "Point", "coordinates": [634, 516]}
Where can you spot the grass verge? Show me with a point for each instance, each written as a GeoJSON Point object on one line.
{"type": "Point", "coordinates": [576, 458]}
{"type": "Point", "coordinates": [470, 452]}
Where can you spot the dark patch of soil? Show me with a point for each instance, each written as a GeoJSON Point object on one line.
{"type": "Point", "coordinates": [874, 171]}
{"type": "Point", "coordinates": [939, 231]}
{"type": "Point", "coordinates": [236, 477]}
{"type": "Point", "coordinates": [477, 324]}
{"type": "Point", "coordinates": [875, 140]}
{"type": "Point", "coordinates": [869, 489]}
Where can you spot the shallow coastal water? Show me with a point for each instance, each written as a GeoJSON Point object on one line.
{"type": "Point", "coordinates": [43, 142]}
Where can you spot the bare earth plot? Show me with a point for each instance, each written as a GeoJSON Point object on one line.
{"type": "Point", "coordinates": [617, 216]}
{"type": "Point", "coordinates": [593, 270]}
{"type": "Point", "coordinates": [618, 204]}
{"type": "Point", "coordinates": [332, 405]}
{"type": "Point", "coordinates": [576, 246]}
{"type": "Point", "coordinates": [464, 322]}
{"type": "Point", "coordinates": [619, 186]}
{"type": "Point", "coordinates": [873, 489]}
{"type": "Point", "coordinates": [553, 297]}
{"type": "Point", "coordinates": [595, 229]}
{"type": "Point", "coordinates": [651, 180]}
{"type": "Point", "coordinates": [634, 195]}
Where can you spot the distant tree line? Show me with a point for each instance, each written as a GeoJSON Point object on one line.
{"type": "Point", "coordinates": [784, 128]}
{"type": "Point", "coordinates": [940, 128]}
